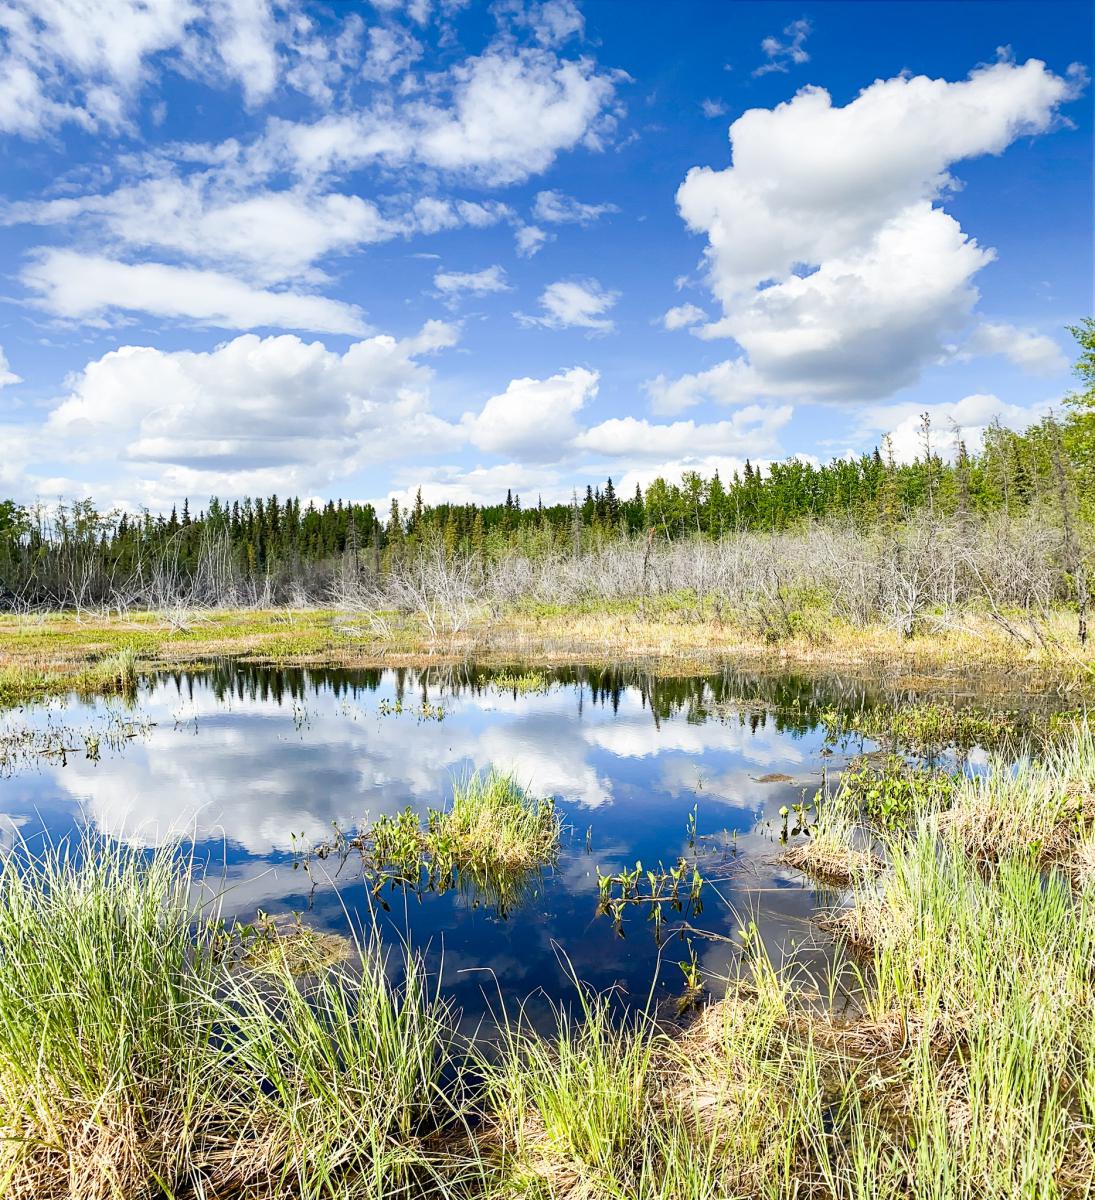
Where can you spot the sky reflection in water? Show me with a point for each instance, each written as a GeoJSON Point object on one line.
{"type": "Point", "coordinates": [245, 760]}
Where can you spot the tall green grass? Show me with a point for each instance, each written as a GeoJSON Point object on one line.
{"type": "Point", "coordinates": [141, 1057]}
{"type": "Point", "coordinates": [137, 1059]}
{"type": "Point", "coordinates": [493, 822]}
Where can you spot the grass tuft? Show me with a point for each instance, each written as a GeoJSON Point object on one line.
{"type": "Point", "coordinates": [496, 823]}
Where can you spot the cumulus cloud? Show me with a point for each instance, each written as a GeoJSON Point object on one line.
{"type": "Point", "coordinates": [530, 240]}
{"type": "Point", "coordinates": [453, 483]}
{"type": "Point", "coordinates": [751, 430]}
{"type": "Point", "coordinates": [511, 113]}
{"type": "Point", "coordinates": [970, 417]}
{"type": "Point", "coordinates": [254, 409]}
{"type": "Point", "coordinates": [575, 303]}
{"type": "Point", "coordinates": [267, 236]}
{"type": "Point", "coordinates": [266, 211]}
{"type": "Point", "coordinates": [82, 64]}
{"type": "Point", "coordinates": [86, 64]}
{"type": "Point", "coordinates": [475, 283]}
{"type": "Point", "coordinates": [391, 51]}
{"type": "Point", "coordinates": [89, 287]}
{"type": "Point", "coordinates": [1033, 352]}
{"type": "Point", "coordinates": [673, 470]}
{"type": "Point", "coordinates": [552, 22]}
{"type": "Point", "coordinates": [533, 418]}
{"type": "Point", "coordinates": [782, 55]}
{"type": "Point", "coordinates": [837, 272]}
{"type": "Point", "coordinates": [539, 421]}
{"type": "Point", "coordinates": [432, 214]}
{"type": "Point", "coordinates": [713, 108]}
{"type": "Point", "coordinates": [7, 376]}
{"type": "Point", "coordinates": [497, 117]}
{"type": "Point", "coordinates": [681, 316]}
{"type": "Point", "coordinates": [556, 208]}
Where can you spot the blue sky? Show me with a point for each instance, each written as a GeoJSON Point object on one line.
{"type": "Point", "coordinates": [348, 249]}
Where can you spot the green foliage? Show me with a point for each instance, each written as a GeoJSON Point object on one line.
{"type": "Point", "coordinates": [273, 536]}
{"type": "Point", "coordinates": [890, 792]}
{"type": "Point", "coordinates": [929, 728]}
{"type": "Point", "coordinates": [488, 843]}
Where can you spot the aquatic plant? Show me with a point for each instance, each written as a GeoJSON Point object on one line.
{"type": "Point", "coordinates": [495, 822]}
{"type": "Point", "coordinates": [1040, 808]}
{"type": "Point", "coordinates": [119, 670]}
{"type": "Point", "coordinates": [890, 791]}
{"type": "Point", "coordinates": [489, 842]}
{"type": "Point", "coordinates": [677, 889]}
{"type": "Point", "coordinates": [522, 683]}
{"type": "Point", "coordinates": [833, 851]}
{"type": "Point", "coordinates": [151, 1047]}
{"type": "Point", "coordinates": [424, 711]}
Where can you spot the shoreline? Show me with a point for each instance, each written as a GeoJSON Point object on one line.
{"type": "Point", "coordinates": [53, 654]}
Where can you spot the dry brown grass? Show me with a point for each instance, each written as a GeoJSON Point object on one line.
{"type": "Point", "coordinates": [832, 861]}
{"type": "Point", "coordinates": [49, 654]}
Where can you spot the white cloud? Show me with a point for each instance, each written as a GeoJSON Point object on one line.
{"type": "Point", "coordinates": [673, 470]}
{"type": "Point", "coordinates": [1033, 352]}
{"type": "Point", "coordinates": [751, 430]}
{"type": "Point", "coordinates": [475, 283]}
{"type": "Point", "coordinates": [781, 55]}
{"type": "Point", "coordinates": [246, 41]}
{"type": "Point", "coordinates": [721, 383]}
{"type": "Point", "coordinates": [575, 303]}
{"type": "Point", "coordinates": [552, 22]}
{"type": "Point", "coordinates": [555, 208]}
{"type": "Point", "coordinates": [681, 316]}
{"type": "Point", "coordinates": [497, 117]}
{"type": "Point", "coordinates": [972, 415]}
{"type": "Point", "coordinates": [391, 51]}
{"type": "Point", "coordinates": [86, 64]}
{"type": "Point", "coordinates": [7, 376]}
{"type": "Point", "coordinates": [836, 272]}
{"type": "Point", "coordinates": [80, 63]}
{"type": "Point", "coordinates": [267, 236]}
{"type": "Point", "coordinates": [713, 108]}
{"type": "Point", "coordinates": [530, 240]}
{"type": "Point", "coordinates": [533, 418]}
{"type": "Point", "coordinates": [453, 483]}
{"type": "Point", "coordinates": [511, 113]}
{"type": "Point", "coordinates": [537, 421]}
{"type": "Point", "coordinates": [254, 410]}
{"type": "Point", "coordinates": [431, 214]}
{"type": "Point", "coordinates": [89, 287]}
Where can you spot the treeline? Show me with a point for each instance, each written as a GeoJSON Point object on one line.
{"type": "Point", "coordinates": [76, 554]}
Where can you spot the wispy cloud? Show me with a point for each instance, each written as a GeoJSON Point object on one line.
{"type": "Point", "coordinates": [782, 55]}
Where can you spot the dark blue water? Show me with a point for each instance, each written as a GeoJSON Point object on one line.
{"type": "Point", "coordinates": [253, 763]}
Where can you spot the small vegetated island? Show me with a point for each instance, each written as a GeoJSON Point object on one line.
{"type": "Point", "coordinates": [154, 1043]}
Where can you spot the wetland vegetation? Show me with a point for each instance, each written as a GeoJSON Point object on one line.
{"type": "Point", "coordinates": [956, 557]}
{"type": "Point", "coordinates": [953, 1057]}
{"type": "Point", "coordinates": [331, 868]}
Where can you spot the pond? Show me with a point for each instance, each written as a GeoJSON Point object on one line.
{"type": "Point", "coordinates": [254, 765]}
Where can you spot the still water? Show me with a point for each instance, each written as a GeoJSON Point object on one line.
{"type": "Point", "coordinates": [253, 764]}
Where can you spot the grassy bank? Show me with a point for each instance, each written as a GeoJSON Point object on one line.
{"type": "Point", "coordinates": [147, 1049]}
{"type": "Point", "coordinates": [50, 655]}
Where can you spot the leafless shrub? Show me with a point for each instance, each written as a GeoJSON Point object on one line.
{"type": "Point", "coordinates": [923, 573]}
